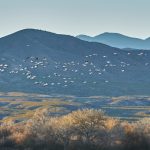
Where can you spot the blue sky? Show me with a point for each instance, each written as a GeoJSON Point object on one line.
{"type": "Point", "coordinates": [91, 17]}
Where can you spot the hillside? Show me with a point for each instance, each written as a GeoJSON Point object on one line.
{"type": "Point", "coordinates": [43, 62]}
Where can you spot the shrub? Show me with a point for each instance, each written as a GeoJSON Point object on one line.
{"type": "Point", "coordinates": [86, 129]}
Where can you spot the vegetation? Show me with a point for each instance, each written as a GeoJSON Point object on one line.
{"type": "Point", "coordinates": [86, 129]}
{"type": "Point", "coordinates": [17, 107]}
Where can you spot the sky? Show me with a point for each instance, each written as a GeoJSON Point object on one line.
{"type": "Point", "coordinates": [74, 17]}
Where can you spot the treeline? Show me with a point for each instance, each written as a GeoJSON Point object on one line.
{"type": "Point", "coordinates": [86, 129]}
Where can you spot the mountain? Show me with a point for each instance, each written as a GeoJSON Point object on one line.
{"type": "Point", "coordinates": [118, 40]}
{"type": "Point", "coordinates": [48, 63]}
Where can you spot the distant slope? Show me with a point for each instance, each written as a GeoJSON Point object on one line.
{"type": "Point", "coordinates": [118, 40]}
{"type": "Point", "coordinates": [43, 62]}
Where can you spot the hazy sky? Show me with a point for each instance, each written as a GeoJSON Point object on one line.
{"type": "Point", "coordinates": [92, 17]}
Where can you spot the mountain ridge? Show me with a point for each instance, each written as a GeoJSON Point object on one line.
{"type": "Point", "coordinates": [118, 40]}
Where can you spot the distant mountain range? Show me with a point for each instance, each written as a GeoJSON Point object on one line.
{"type": "Point", "coordinates": [48, 63]}
{"type": "Point", "coordinates": [118, 40]}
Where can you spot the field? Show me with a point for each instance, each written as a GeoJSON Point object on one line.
{"type": "Point", "coordinates": [17, 107]}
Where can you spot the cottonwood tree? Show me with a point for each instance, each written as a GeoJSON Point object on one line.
{"type": "Point", "coordinates": [89, 124]}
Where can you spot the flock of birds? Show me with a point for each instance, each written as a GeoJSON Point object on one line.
{"type": "Point", "coordinates": [44, 73]}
